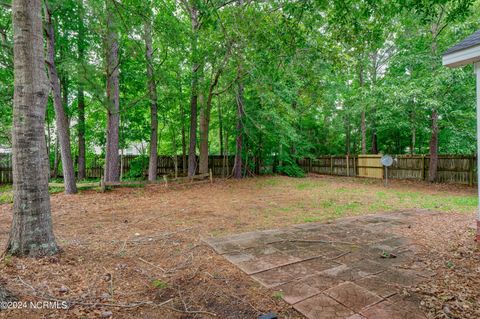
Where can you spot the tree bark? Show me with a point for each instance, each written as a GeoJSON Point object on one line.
{"type": "Point", "coordinates": [433, 164]}
{"type": "Point", "coordinates": [432, 169]}
{"type": "Point", "coordinates": [192, 161]}
{"type": "Point", "coordinates": [184, 143]}
{"type": "Point", "coordinates": [347, 135]}
{"type": "Point", "coordinates": [237, 168]}
{"type": "Point", "coordinates": [152, 89]}
{"type": "Point", "coordinates": [81, 164]}
{"type": "Point", "coordinates": [112, 160]}
{"type": "Point", "coordinates": [363, 124]}
{"type": "Point", "coordinates": [204, 125]}
{"type": "Point", "coordinates": [32, 230]}
{"type": "Point", "coordinates": [220, 137]}
{"type": "Point", "coordinates": [61, 119]}
{"type": "Point", "coordinates": [56, 156]}
{"type": "Point", "coordinates": [205, 118]}
{"type": "Point", "coordinates": [374, 149]}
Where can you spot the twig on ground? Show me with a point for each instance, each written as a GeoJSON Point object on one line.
{"type": "Point", "coordinates": [149, 263]}
{"type": "Point", "coordinates": [92, 304]}
{"type": "Point", "coordinates": [192, 311]}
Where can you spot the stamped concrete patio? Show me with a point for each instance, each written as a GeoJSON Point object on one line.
{"type": "Point", "coordinates": [353, 268]}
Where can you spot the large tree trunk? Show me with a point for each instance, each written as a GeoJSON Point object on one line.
{"type": "Point", "coordinates": [374, 149]}
{"type": "Point", "coordinates": [5, 297]}
{"type": "Point", "coordinates": [192, 161]}
{"type": "Point", "coordinates": [82, 167]}
{"type": "Point", "coordinates": [220, 137]}
{"type": "Point", "coordinates": [32, 231]}
{"type": "Point", "coordinates": [56, 156]}
{"type": "Point", "coordinates": [61, 119]}
{"type": "Point", "coordinates": [184, 142]}
{"type": "Point", "coordinates": [112, 160]}
{"type": "Point", "coordinates": [347, 135]}
{"type": "Point", "coordinates": [363, 128]}
{"type": "Point", "coordinates": [205, 116]}
{"type": "Point", "coordinates": [432, 169]}
{"type": "Point", "coordinates": [82, 171]}
{"type": "Point", "coordinates": [237, 168]}
{"type": "Point", "coordinates": [204, 126]}
{"type": "Point", "coordinates": [363, 124]}
{"type": "Point", "coordinates": [152, 89]}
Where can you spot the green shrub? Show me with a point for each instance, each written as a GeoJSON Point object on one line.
{"type": "Point", "coordinates": [291, 169]}
{"type": "Point", "coordinates": [138, 166]}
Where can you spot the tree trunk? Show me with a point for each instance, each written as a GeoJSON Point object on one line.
{"type": "Point", "coordinates": [220, 137]}
{"type": "Point", "coordinates": [204, 125]}
{"type": "Point", "coordinates": [192, 161]}
{"type": "Point", "coordinates": [82, 171]}
{"type": "Point", "coordinates": [412, 147]}
{"type": "Point", "coordinates": [152, 89]}
{"type": "Point", "coordinates": [374, 149]}
{"type": "Point", "coordinates": [205, 116]}
{"type": "Point", "coordinates": [184, 142]}
{"type": "Point", "coordinates": [432, 169]}
{"type": "Point", "coordinates": [32, 230]}
{"type": "Point", "coordinates": [56, 156]}
{"type": "Point", "coordinates": [112, 165]}
{"type": "Point", "coordinates": [61, 119]}
{"type": "Point", "coordinates": [5, 297]}
{"type": "Point", "coordinates": [237, 167]}
{"type": "Point", "coordinates": [363, 124]}
{"type": "Point", "coordinates": [347, 135]}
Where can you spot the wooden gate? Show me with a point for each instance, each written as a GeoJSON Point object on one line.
{"type": "Point", "coordinates": [370, 166]}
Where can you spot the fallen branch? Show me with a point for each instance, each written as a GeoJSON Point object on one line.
{"type": "Point", "coordinates": [47, 297]}
{"type": "Point", "coordinates": [149, 263]}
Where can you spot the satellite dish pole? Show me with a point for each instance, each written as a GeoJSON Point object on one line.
{"type": "Point", "coordinates": [386, 161]}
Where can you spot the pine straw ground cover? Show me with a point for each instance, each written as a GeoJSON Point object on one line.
{"type": "Point", "coordinates": [137, 252]}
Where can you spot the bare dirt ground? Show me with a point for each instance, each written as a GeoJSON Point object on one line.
{"type": "Point", "coordinates": [137, 252]}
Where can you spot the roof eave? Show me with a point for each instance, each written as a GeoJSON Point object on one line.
{"type": "Point", "coordinates": [462, 57]}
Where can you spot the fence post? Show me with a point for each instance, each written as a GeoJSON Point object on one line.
{"type": "Point", "coordinates": [348, 165]}
{"type": "Point", "coordinates": [309, 165]}
{"type": "Point", "coordinates": [331, 165]}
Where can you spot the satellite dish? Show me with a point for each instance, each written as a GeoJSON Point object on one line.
{"type": "Point", "coordinates": [386, 160]}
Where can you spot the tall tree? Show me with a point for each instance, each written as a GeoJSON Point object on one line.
{"type": "Point", "coordinates": [206, 111]}
{"type": "Point", "coordinates": [152, 90]}
{"type": "Point", "coordinates": [112, 159]}
{"type": "Point", "coordinates": [81, 164]}
{"type": "Point", "coordinates": [193, 11]}
{"type": "Point", "coordinates": [61, 119]}
{"type": "Point", "coordinates": [32, 230]}
{"type": "Point", "coordinates": [238, 164]}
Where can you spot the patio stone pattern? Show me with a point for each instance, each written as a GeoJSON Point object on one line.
{"type": "Point", "coordinates": [335, 270]}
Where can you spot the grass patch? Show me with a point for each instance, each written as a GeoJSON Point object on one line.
{"type": "Point", "coordinates": [309, 185]}
{"type": "Point", "coordinates": [266, 182]}
{"type": "Point", "coordinates": [329, 201]}
{"type": "Point", "coordinates": [6, 194]}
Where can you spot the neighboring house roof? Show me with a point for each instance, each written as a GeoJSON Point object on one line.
{"type": "Point", "coordinates": [468, 42]}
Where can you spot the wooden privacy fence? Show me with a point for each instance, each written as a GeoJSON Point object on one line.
{"type": "Point", "coordinates": [6, 169]}
{"type": "Point", "coordinates": [166, 165]}
{"type": "Point", "coordinates": [459, 169]}
{"type": "Point", "coordinates": [451, 168]}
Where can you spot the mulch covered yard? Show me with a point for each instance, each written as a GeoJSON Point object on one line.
{"type": "Point", "coordinates": [138, 252]}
